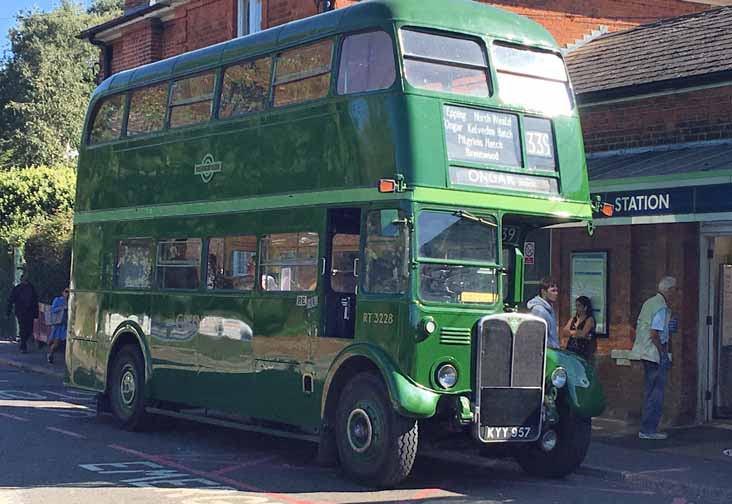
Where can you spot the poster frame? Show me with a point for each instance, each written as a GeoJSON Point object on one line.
{"type": "Point", "coordinates": [574, 291]}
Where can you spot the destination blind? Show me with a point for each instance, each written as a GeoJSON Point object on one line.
{"type": "Point", "coordinates": [482, 136]}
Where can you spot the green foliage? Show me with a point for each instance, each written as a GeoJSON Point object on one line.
{"type": "Point", "coordinates": [46, 82]}
{"type": "Point", "coordinates": [106, 7]}
{"type": "Point", "coordinates": [31, 196]}
{"type": "Point", "coordinates": [48, 255]}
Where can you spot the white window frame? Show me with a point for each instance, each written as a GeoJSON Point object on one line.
{"type": "Point", "coordinates": [248, 17]}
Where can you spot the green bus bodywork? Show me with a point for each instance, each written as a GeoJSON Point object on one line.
{"type": "Point", "coordinates": [285, 170]}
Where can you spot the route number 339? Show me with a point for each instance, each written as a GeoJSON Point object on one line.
{"type": "Point", "coordinates": [538, 144]}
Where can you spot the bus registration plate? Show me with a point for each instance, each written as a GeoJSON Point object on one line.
{"type": "Point", "coordinates": [488, 433]}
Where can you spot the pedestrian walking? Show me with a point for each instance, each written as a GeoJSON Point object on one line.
{"type": "Point", "coordinates": [542, 305]}
{"type": "Point", "coordinates": [59, 322]}
{"type": "Point", "coordinates": [580, 330]}
{"type": "Point", "coordinates": [25, 300]}
{"type": "Point", "coordinates": [651, 347]}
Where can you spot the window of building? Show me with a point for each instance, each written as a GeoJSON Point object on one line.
{"type": "Point", "coordinates": [303, 73]}
{"type": "Point", "coordinates": [442, 63]}
{"type": "Point", "coordinates": [133, 269]}
{"type": "Point", "coordinates": [249, 17]}
{"type": "Point", "coordinates": [179, 263]}
{"type": "Point", "coordinates": [107, 123]}
{"type": "Point", "coordinates": [386, 268]}
{"type": "Point", "coordinates": [231, 263]}
{"type": "Point", "coordinates": [191, 100]}
{"type": "Point", "coordinates": [147, 109]}
{"type": "Point", "coordinates": [246, 87]}
{"type": "Point", "coordinates": [367, 63]}
{"type": "Point", "coordinates": [288, 262]}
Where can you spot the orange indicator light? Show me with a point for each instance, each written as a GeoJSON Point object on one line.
{"type": "Point", "coordinates": [387, 185]}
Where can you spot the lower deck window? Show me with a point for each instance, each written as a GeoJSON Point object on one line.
{"type": "Point", "coordinates": [133, 268]}
{"type": "Point", "coordinates": [231, 263]}
{"type": "Point", "coordinates": [179, 264]}
{"type": "Point", "coordinates": [289, 262]}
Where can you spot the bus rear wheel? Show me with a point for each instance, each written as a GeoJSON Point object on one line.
{"type": "Point", "coordinates": [127, 388]}
{"type": "Point", "coordinates": [376, 445]}
{"type": "Point", "coordinates": [573, 436]}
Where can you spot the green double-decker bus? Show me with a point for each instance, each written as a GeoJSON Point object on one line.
{"type": "Point", "coordinates": [315, 232]}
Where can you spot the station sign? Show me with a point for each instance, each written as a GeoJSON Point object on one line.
{"type": "Point", "coordinates": [671, 201]}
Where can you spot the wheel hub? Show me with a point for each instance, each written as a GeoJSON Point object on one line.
{"type": "Point", "coordinates": [127, 386]}
{"type": "Point", "coordinates": [360, 431]}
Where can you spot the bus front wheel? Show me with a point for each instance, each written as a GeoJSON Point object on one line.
{"type": "Point", "coordinates": [376, 445]}
{"type": "Point", "coordinates": [573, 436]}
{"type": "Point", "coordinates": [127, 388]}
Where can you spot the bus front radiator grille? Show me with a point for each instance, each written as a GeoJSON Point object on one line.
{"type": "Point", "coordinates": [508, 358]}
{"type": "Point", "coordinates": [528, 355]}
{"type": "Point", "coordinates": [510, 351]}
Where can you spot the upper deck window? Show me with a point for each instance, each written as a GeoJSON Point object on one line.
{"type": "Point", "coordinates": [521, 72]}
{"type": "Point", "coordinates": [107, 124]}
{"type": "Point", "coordinates": [303, 73]}
{"type": "Point", "coordinates": [246, 87]}
{"type": "Point", "coordinates": [367, 63]}
{"type": "Point", "coordinates": [147, 109]}
{"type": "Point", "coordinates": [191, 100]}
{"type": "Point", "coordinates": [447, 64]}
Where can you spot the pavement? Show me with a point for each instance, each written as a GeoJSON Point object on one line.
{"type": "Point", "coordinates": [695, 460]}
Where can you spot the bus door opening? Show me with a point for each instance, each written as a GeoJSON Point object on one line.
{"type": "Point", "coordinates": [341, 272]}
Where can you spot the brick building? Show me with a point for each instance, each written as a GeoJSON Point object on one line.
{"type": "Point", "coordinates": [657, 121]}
{"type": "Point", "coordinates": [150, 30]}
{"type": "Point", "coordinates": [658, 125]}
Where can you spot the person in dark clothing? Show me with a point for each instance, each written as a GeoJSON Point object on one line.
{"type": "Point", "coordinates": [580, 330]}
{"type": "Point", "coordinates": [25, 299]}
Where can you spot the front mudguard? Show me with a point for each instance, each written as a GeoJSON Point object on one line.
{"type": "Point", "coordinates": [406, 397]}
{"type": "Point", "coordinates": [584, 393]}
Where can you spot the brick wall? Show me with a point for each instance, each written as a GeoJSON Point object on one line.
{"type": "Point", "coordinates": [199, 23]}
{"type": "Point", "coordinates": [570, 20]}
{"type": "Point", "coordinates": [143, 42]}
{"type": "Point", "coordinates": [685, 117]}
{"type": "Point", "coordinates": [277, 12]}
{"type": "Point", "coordinates": [638, 257]}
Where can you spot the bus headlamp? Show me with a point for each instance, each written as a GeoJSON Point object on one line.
{"type": "Point", "coordinates": [559, 377]}
{"type": "Point", "coordinates": [447, 376]}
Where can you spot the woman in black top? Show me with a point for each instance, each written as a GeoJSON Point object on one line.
{"type": "Point", "coordinates": [581, 330]}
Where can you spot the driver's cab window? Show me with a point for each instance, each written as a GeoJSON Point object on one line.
{"type": "Point", "coordinates": [457, 254]}
{"type": "Point", "coordinates": [386, 268]}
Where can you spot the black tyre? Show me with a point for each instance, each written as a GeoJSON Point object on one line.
{"type": "Point", "coordinates": [574, 434]}
{"type": "Point", "coordinates": [127, 388]}
{"type": "Point", "coordinates": [376, 445]}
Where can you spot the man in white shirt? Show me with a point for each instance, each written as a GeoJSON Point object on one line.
{"type": "Point", "coordinates": [651, 347]}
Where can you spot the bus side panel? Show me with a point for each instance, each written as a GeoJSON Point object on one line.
{"type": "Point", "coordinates": [225, 379]}
{"type": "Point", "coordinates": [84, 314]}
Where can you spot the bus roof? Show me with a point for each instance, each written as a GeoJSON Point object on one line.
{"type": "Point", "coordinates": [465, 16]}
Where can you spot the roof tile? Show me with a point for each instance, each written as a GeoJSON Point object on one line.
{"type": "Point", "coordinates": [671, 48]}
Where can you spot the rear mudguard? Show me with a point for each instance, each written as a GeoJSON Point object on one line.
{"type": "Point", "coordinates": [407, 397]}
{"type": "Point", "coordinates": [585, 395]}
